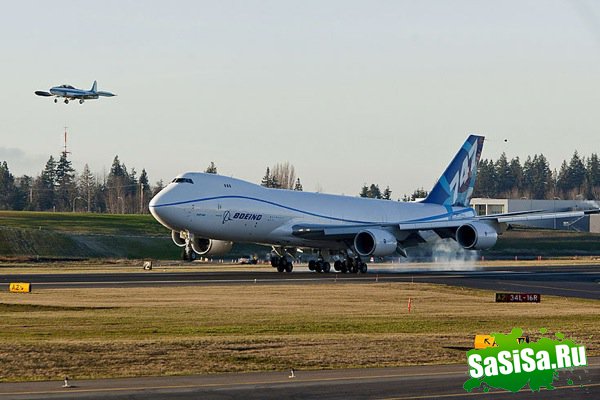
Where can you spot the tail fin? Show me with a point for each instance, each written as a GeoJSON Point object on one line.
{"type": "Point", "coordinates": [455, 186]}
{"type": "Point", "coordinates": [94, 87]}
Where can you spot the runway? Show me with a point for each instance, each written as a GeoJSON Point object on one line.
{"type": "Point", "coordinates": [403, 383]}
{"type": "Point", "coordinates": [569, 281]}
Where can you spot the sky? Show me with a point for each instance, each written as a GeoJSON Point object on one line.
{"type": "Point", "coordinates": [349, 92]}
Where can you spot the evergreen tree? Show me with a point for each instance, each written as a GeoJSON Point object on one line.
{"type": "Point", "coordinates": [44, 186]}
{"type": "Point", "coordinates": [374, 191]}
{"type": "Point", "coordinates": [485, 185]}
{"type": "Point", "coordinates": [387, 193]}
{"type": "Point", "coordinates": [7, 188]}
{"type": "Point", "coordinates": [211, 169]}
{"type": "Point", "coordinates": [65, 184]}
{"type": "Point", "coordinates": [592, 173]}
{"type": "Point", "coordinates": [576, 176]}
{"type": "Point", "coordinates": [516, 172]}
{"type": "Point", "coordinates": [364, 192]}
{"type": "Point", "coordinates": [540, 177]}
{"type": "Point", "coordinates": [267, 181]}
{"type": "Point", "coordinates": [504, 178]}
{"type": "Point", "coordinates": [562, 180]}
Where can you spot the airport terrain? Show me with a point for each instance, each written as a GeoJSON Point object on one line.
{"type": "Point", "coordinates": [134, 236]}
{"type": "Point", "coordinates": [178, 322]}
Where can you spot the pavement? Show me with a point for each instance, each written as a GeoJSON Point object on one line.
{"type": "Point", "coordinates": [568, 280]}
{"type": "Point", "coordinates": [402, 383]}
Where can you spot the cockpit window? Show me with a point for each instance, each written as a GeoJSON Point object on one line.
{"type": "Point", "coordinates": [182, 180]}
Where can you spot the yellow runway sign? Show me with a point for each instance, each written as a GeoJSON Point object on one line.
{"type": "Point", "coordinates": [20, 287]}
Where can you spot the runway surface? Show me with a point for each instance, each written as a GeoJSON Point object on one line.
{"type": "Point", "coordinates": [421, 382]}
{"type": "Point", "coordinates": [569, 281]}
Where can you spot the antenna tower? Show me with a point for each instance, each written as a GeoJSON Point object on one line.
{"type": "Point", "coordinates": [65, 151]}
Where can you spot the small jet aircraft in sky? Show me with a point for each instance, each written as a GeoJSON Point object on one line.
{"type": "Point", "coordinates": [207, 213]}
{"type": "Point", "coordinates": [72, 93]}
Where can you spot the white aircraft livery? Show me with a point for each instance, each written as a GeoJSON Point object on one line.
{"type": "Point", "coordinates": [207, 213]}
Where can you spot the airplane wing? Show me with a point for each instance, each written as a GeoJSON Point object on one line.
{"type": "Point", "coordinates": [42, 93]}
{"type": "Point", "coordinates": [443, 228]}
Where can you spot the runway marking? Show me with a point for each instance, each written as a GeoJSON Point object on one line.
{"type": "Point", "coordinates": [555, 288]}
{"type": "Point", "coordinates": [225, 385]}
{"type": "Point", "coordinates": [464, 394]}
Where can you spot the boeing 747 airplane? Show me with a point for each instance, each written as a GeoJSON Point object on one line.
{"type": "Point", "coordinates": [72, 93]}
{"type": "Point", "coordinates": [207, 213]}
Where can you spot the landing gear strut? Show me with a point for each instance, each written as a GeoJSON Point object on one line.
{"type": "Point", "coordinates": [188, 254]}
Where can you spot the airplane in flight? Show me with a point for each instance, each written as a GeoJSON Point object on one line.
{"type": "Point", "coordinates": [71, 93]}
{"type": "Point", "coordinates": [206, 213]}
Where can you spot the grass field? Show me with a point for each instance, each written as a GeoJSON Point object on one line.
{"type": "Point", "coordinates": [89, 235]}
{"type": "Point", "coordinates": [92, 333]}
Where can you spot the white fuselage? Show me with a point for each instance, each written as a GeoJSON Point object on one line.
{"type": "Point", "coordinates": [223, 208]}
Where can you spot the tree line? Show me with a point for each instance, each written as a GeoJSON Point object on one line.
{"type": "Point", "coordinates": [60, 188]}
{"type": "Point", "coordinates": [578, 179]}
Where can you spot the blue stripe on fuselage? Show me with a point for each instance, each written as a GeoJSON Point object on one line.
{"type": "Point", "coordinates": [449, 214]}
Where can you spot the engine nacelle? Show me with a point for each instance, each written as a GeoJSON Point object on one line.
{"type": "Point", "coordinates": [177, 239]}
{"type": "Point", "coordinates": [476, 236]}
{"type": "Point", "coordinates": [210, 247]}
{"type": "Point", "coordinates": [375, 242]}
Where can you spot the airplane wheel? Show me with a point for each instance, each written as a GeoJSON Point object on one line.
{"type": "Point", "coordinates": [312, 265]}
{"type": "Point", "coordinates": [343, 268]}
{"type": "Point", "coordinates": [289, 267]}
{"type": "Point", "coordinates": [80, 101]}
{"type": "Point", "coordinates": [319, 266]}
{"type": "Point", "coordinates": [66, 101]}
{"type": "Point", "coordinates": [363, 268]}
{"type": "Point", "coordinates": [337, 265]}
{"type": "Point", "coordinates": [326, 267]}
{"type": "Point", "coordinates": [275, 261]}
{"type": "Point", "coordinates": [280, 268]}
{"type": "Point", "coordinates": [56, 100]}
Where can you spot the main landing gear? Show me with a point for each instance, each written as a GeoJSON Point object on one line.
{"type": "Point", "coordinates": [281, 263]}
{"type": "Point", "coordinates": [319, 265]}
{"type": "Point", "coordinates": [350, 265]}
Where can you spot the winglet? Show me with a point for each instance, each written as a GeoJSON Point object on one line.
{"type": "Point", "coordinates": [94, 87]}
{"type": "Point", "coordinates": [455, 186]}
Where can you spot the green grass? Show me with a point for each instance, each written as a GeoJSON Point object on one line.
{"type": "Point", "coordinates": [88, 235]}
{"type": "Point", "coordinates": [83, 223]}
{"type": "Point", "coordinates": [546, 243]}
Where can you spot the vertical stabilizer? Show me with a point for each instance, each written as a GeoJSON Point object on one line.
{"type": "Point", "coordinates": [94, 87]}
{"type": "Point", "coordinates": [455, 186]}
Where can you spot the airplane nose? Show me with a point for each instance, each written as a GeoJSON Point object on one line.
{"type": "Point", "coordinates": [166, 210]}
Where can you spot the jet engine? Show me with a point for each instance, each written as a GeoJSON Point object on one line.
{"type": "Point", "coordinates": [210, 247]}
{"type": "Point", "coordinates": [476, 236]}
{"type": "Point", "coordinates": [375, 242]}
{"type": "Point", "coordinates": [177, 239]}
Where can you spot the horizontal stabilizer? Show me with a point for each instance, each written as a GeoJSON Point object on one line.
{"type": "Point", "coordinates": [42, 93]}
{"type": "Point", "coordinates": [105, 94]}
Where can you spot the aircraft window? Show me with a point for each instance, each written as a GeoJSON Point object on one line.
{"type": "Point", "coordinates": [182, 180]}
